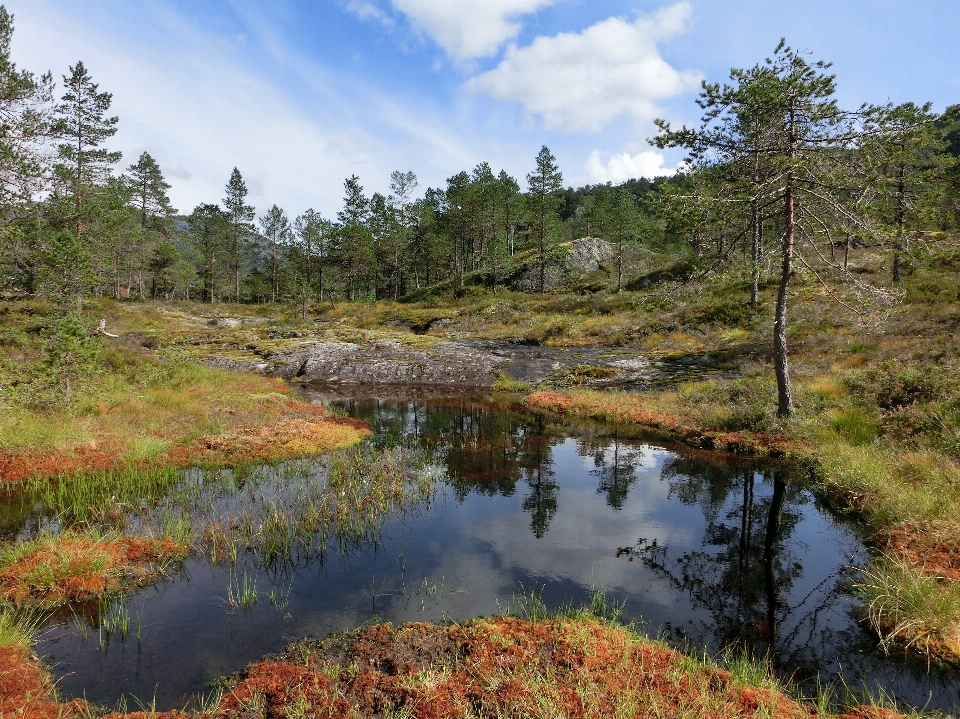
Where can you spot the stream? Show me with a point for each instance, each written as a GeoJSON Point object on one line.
{"type": "Point", "coordinates": [705, 549]}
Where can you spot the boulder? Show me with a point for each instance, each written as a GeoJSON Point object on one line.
{"type": "Point", "coordinates": [589, 254]}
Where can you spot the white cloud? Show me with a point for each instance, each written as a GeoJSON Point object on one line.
{"type": "Point", "coordinates": [583, 81]}
{"type": "Point", "coordinates": [623, 167]}
{"type": "Point", "coordinates": [468, 29]}
{"type": "Point", "coordinates": [366, 10]}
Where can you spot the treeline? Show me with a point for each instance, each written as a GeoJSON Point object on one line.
{"type": "Point", "coordinates": [76, 223]}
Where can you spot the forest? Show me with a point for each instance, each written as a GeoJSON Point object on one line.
{"type": "Point", "coordinates": [79, 222]}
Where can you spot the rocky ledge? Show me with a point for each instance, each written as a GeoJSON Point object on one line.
{"type": "Point", "coordinates": [381, 362]}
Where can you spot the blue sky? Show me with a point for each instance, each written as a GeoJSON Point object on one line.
{"type": "Point", "coordinates": [299, 94]}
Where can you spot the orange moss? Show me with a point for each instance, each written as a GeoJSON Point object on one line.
{"type": "Point", "coordinates": [493, 668]}
{"type": "Point", "coordinates": [18, 466]}
{"type": "Point", "coordinates": [284, 431]}
{"type": "Point", "coordinates": [285, 438]}
{"type": "Point", "coordinates": [25, 691]}
{"type": "Point", "coordinates": [921, 549]}
{"type": "Point", "coordinates": [504, 666]}
{"type": "Point", "coordinates": [77, 569]}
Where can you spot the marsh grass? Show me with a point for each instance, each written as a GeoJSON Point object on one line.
{"type": "Point", "coordinates": [912, 610]}
{"type": "Point", "coordinates": [242, 590]}
{"type": "Point", "coordinates": [18, 628]}
{"type": "Point", "coordinates": [273, 513]}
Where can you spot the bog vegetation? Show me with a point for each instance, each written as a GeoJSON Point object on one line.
{"type": "Point", "coordinates": [812, 248]}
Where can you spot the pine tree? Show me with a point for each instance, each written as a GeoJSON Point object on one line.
{"type": "Point", "coordinates": [355, 242]}
{"type": "Point", "coordinates": [625, 224]}
{"type": "Point", "coordinates": [544, 186]}
{"type": "Point", "coordinates": [402, 187]}
{"type": "Point", "coordinates": [24, 125]}
{"type": "Point", "coordinates": [24, 130]}
{"type": "Point", "coordinates": [148, 191]}
{"type": "Point", "coordinates": [240, 217]}
{"type": "Point", "coordinates": [276, 228]}
{"type": "Point", "coordinates": [776, 141]}
{"type": "Point", "coordinates": [903, 148]}
{"type": "Point", "coordinates": [210, 227]}
{"type": "Point", "coordinates": [315, 237]}
{"type": "Point", "coordinates": [82, 125]}
{"type": "Point", "coordinates": [512, 202]}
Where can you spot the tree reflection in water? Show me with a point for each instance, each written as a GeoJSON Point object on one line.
{"type": "Point", "coordinates": [744, 576]}
{"type": "Point", "coordinates": [618, 473]}
{"type": "Point", "coordinates": [748, 563]}
{"type": "Point", "coordinates": [487, 446]}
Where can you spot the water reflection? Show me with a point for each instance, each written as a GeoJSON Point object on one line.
{"type": "Point", "coordinates": [619, 472]}
{"type": "Point", "coordinates": [708, 548]}
{"type": "Point", "coordinates": [748, 560]}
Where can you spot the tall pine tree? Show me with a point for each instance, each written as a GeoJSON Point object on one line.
{"type": "Point", "coordinates": [544, 187]}
{"type": "Point", "coordinates": [82, 126]}
{"type": "Point", "coordinates": [24, 130]}
{"type": "Point", "coordinates": [240, 217]}
{"type": "Point", "coordinates": [148, 190]}
{"type": "Point", "coordinates": [276, 228]}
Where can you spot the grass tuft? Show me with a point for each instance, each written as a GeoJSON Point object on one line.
{"type": "Point", "coordinates": [912, 610]}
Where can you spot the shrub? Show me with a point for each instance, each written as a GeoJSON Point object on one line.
{"type": "Point", "coordinates": [892, 384]}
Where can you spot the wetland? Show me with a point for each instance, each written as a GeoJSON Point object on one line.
{"type": "Point", "coordinates": [463, 506]}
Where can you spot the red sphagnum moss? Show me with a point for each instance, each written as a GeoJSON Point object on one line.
{"type": "Point", "coordinates": [79, 569]}
{"type": "Point", "coordinates": [298, 430]}
{"type": "Point", "coordinates": [575, 668]}
{"type": "Point", "coordinates": [498, 667]}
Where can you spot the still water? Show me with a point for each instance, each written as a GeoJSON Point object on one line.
{"type": "Point", "coordinates": [705, 549]}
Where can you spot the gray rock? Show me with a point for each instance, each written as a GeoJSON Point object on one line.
{"type": "Point", "coordinates": [451, 364]}
{"type": "Point", "coordinates": [589, 254]}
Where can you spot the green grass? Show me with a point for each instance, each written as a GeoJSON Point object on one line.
{"type": "Point", "coordinates": [20, 429]}
{"type": "Point", "coordinates": [508, 384]}
{"type": "Point", "coordinates": [17, 628]}
{"type": "Point", "coordinates": [908, 609]}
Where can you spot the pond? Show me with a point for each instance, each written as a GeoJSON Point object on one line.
{"type": "Point", "coordinates": [501, 506]}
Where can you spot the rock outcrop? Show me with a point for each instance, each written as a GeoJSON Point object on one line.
{"type": "Point", "coordinates": [388, 363]}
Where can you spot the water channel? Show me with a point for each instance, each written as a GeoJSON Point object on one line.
{"type": "Point", "coordinates": [706, 549]}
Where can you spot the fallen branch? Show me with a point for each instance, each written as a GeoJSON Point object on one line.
{"type": "Point", "coordinates": [102, 329]}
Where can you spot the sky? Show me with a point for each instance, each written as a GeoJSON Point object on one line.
{"type": "Point", "coordinates": [301, 94]}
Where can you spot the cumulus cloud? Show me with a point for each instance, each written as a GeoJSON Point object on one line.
{"type": "Point", "coordinates": [582, 81]}
{"type": "Point", "coordinates": [467, 29]}
{"type": "Point", "coordinates": [624, 166]}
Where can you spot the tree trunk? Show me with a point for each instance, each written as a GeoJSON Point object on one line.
{"type": "Point", "coordinates": [620, 265]}
{"type": "Point", "coordinates": [757, 254]}
{"type": "Point", "coordinates": [780, 359]}
{"type": "Point", "coordinates": [898, 246]}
